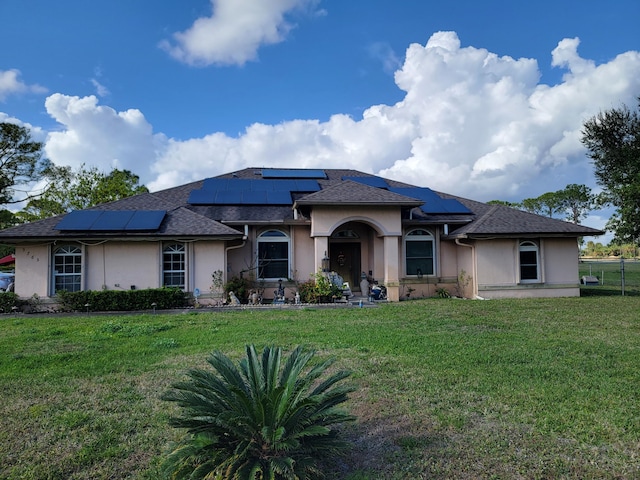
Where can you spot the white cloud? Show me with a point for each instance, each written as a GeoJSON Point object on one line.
{"type": "Point", "coordinates": [472, 123]}
{"type": "Point", "coordinates": [99, 136]}
{"type": "Point", "coordinates": [101, 90]}
{"type": "Point", "coordinates": [10, 84]}
{"type": "Point", "coordinates": [234, 32]}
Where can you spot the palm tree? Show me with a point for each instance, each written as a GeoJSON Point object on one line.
{"type": "Point", "coordinates": [258, 421]}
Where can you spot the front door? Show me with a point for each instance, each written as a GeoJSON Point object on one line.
{"type": "Point", "coordinates": [345, 261]}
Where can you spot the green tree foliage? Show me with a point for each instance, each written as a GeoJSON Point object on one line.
{"type": "Point", "coordinates": [75, 190]}
{"type": "Point", "coordinates": [270, 418]}
{"type": "Point", "coordinates": [547, 204]}
{"type": "Point", "coordinates": [576, 201]}
{"type": "Point", "coordinates": [21, 163]}
{"type": "Point", "coordinates": [612, 138]}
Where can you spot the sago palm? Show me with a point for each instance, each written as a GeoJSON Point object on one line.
{"type": "Point", "coordinates": [266, 418]}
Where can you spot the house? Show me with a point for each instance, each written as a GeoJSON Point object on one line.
{"type": "Point", "coordinates": [281, 226]}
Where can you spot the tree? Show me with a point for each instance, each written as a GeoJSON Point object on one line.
{"type": "Point", "coordinates": [576, 201]}
{"type": "Point", "coordinates": [270, 418]}
{"type": "Point", "coordinates": [21, 162]}
{"type": "Point", "coordinates": [75, 190]}
{"type": "Point", "coordinates": [612, 138]}
{"type": "Point", "coordinates": [547, 204]}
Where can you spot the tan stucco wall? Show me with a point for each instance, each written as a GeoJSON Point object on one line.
{"type": "Point", "coordinates": [386, 221]}
{"type": "Point", "coordinates": [206, 257]}
{"type": "Point", "coordinates": [303, 264]}
{"type": "Point", "coordinates": [121, 265]}
{"type": "Point", "coordinates": [498, 269]}
{"type": "Point", "coordinates": [32, 270]}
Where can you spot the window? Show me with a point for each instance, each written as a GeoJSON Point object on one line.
{"type": "Point", "coordinates": [529, 271]}
{"type": "Point", "coordinates": [273, 255]}
{"type": "Point", "coordinates": [418, 248]}
{"type": "Point", "coordinates": [173, 265]}
{"type": "Point", "coordinates": [67, 268]}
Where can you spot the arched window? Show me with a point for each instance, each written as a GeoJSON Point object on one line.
{"type": "Point", "coordinates": [173, 265]}
{"type": "Point", "coordinates": [529, 263]}
{"type": "Point", "coordinates": [67, 268]}
{"type": "Point", "coordinates": [419, 253]}
{"type": "Point", "coordinates": [273, 255]}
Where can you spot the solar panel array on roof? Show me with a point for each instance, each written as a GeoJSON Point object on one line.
{"type": "Point", "coordinates": [292, 173]}
{"type": "Point", "coordinates": [112, 220]}
{"type": "Point", "coordinates": [242, 191]}
{"type": "Point", "coordinates": [433, 203]}
{"type": "Point", "coordinates": [378, 182]}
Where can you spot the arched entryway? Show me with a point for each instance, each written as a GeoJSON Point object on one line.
{"type": "Point", "coordinates": [351, 252]}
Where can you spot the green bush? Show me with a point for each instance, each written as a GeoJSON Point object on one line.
{"type": "Point", "coordinates": [8, 300]}
{"type": "Point", "coordinates": [240, 286]}
{"type": "Point", "coordinates": [318, 290]}
{"type": "Point", "coordinates": [267, 418]}
{"type": "Point", "coordinates": [123, 300]}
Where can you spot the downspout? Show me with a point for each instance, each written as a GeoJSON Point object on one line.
{"type": "Point", "coordinates": [233, 247]}
{"type": "Point", "coordinates": [473, 266]}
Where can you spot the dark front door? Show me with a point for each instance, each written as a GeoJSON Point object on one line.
{"type": "Point", "coordinates": [345, 261]}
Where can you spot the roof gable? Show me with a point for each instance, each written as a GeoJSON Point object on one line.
{"type": "Point", "coordinates": [348, 192]}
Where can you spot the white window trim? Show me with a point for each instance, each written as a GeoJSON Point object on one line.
{"type": "Point", "coordinates": [434, 248]}
{"type": "Point", "coordinates": [52, 264]}
{"type": "Point", "coordinates": [529, 246]}
{"type": "Point", "coordinates": [163, 247]}
{"type": "Point", "coordinates": [285, 238]}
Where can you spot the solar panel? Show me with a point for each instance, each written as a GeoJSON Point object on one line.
{"type": "Point", "coordinates": [433, 203]}
{"type": "Point", "coordinates": [112, 220]}
{"type": "Point", "coordinates": [78, 220]}
{"type": "Point", "coordinates": [292, 173]}
{"type": "Point", "coordinates": [454, 206]}
{"type": "Point", "coordinates": [306, 186]}
{"type": "Point", "coordinates": [279, 198]}
{"type": "Point", "coordinates": [377, 182]}
{"type": "Point", "coordinates": [214, 184]}
{"type": "Point", "coordinates": [239, 184]}
{"type": "Point", "coordinates": [202, 197]}
{"type": "Point", "coordinates": [146, 220]}
{"type": "Point", "coordinates": [228, 197]}
{"type": "Point", "coordinates": [250, 197]}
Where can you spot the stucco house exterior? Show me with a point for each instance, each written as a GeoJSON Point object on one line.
{"type": "Point", "coordinates": [281, 225]}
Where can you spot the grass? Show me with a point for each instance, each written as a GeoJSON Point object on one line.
{"type": "Point", "coordinates": [449, 388]}
{"type": "Point", "coordinates": [609, 275]}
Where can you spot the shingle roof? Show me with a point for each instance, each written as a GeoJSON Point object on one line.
{"type": "Point", "coordinates": [503, 220]}
{"type": "Point", "coordinates": [184, 219]}
{"type": "Point", "coordinates": [353, 193]}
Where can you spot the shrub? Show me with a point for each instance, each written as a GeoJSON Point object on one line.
{"type": "Point", "coordinates": [318, 290]}
{"type": "Point", "coordinates": [122, 300]}
{"type": "Point", "coordinates": [8, 300]}
{"type": "Point", "coordinates": [257, 421]}
{"type": "Point", "coordinates": [238, 285]}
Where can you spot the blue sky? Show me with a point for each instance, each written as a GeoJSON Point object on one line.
{"type": "Point", "coordinates": [483, 99]}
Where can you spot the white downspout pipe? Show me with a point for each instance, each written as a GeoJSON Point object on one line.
{"type": "Point", "coordinates": [233, 247]}
{"type": "Point", "coordinates": [473, 266]}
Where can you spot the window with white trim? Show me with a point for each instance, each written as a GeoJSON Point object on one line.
{"type": "Point", "coordinates": [173, 265]}
{"type": "Point", "coordinates": [273, 255]}
{"type": "Point", "coordinates": [419, 247]}
{"type": "Point", "coordinates": [529, 262]}
{"type": "Point", "coordinates": [67, 268]}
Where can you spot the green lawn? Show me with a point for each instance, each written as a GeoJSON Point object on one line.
{"type": "Point", "coordinates": [609, 275]}
{"type": "Point", "coordinates": [447, 388]}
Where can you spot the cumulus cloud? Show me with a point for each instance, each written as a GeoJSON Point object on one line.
{"type": "Point", "coordinates": [234, 32]}
{"type": "Point", "coordinates": [100, 136]}
{"type": "Point", "coordinates": [10, 83]}
{"type": "Point", "coordinates": [471, 123]}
